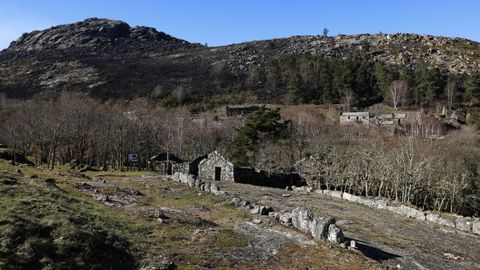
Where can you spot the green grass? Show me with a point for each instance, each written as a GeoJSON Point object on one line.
{"type": "Point", "coordinates": [45, 228]}
{"type": "Point", "coordinates": [53, 225]}
{"type": "Point", "coordinates": [59, 227]}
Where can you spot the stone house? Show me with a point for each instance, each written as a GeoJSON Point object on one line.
{"type": "Point", "coordinates": [352, 118]}
{"type": "Point", "coordinates": [216, 167]}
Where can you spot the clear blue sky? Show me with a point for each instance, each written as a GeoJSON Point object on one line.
{"type": "Point", "coordinates": [219, 22]}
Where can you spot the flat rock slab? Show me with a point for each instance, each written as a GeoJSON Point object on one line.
{"type": "Point", "coordinates": [415, 244]}
{"type": "Point", "coordinates": [264, 242]}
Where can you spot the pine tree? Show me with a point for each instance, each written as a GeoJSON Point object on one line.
{"type": "Point", "coordinates": [294, 88]}
{"type": "Point", "coordinates": [384, 77]}
{"type": "Point", "coordinates": [472, 87]}
{"type": "Point", "coordinates": [407, 75]}
{"type": "Point", "coordinates": [430, 83]}
{"type": "Point", "coordinates": [260, 125]}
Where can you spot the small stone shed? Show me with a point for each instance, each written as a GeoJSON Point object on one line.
{"type": "Point", "coordinates": [216, 167]}
{"type": "Point", "coordinates": [166, 163]}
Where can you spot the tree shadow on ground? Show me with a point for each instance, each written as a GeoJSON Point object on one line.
{"type": "Point", "coordinates": [372, 252]}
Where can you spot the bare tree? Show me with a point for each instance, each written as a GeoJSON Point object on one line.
{"type": "Point", "coordinates": [398, 93]}
{"type": "Point", "coordinates": [347, 99]}
{"type": "Point", "coordinates": [450, 90]}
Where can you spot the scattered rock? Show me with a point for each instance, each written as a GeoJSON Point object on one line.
{"type": "Point", "coordinates": [236, 201]}
{"type": "Point", "coordinates": [286, 218]}
{"type": "Point", "coordinates": [464, 224]}
{"type": "Point", "coordinates": [319, 227]}
{"type": "Point", "coordinates": [161, 264]}
{"type": "Point", "coordinates": [335, 235]}
{"type": "Point", "coordinates": [274, 215]}
{"type": "Point", "coordinates": [286, 195]}
{"type": "Point", "coordinates": [261, 210]}
{"type": "Point", "coordinates": [476, 226]}
{"type": "Point", "coordinates": [301, 218]}
{"type": "Point", "coordinates": [257, 221]}
{"type": "Point", "coordinates": [353, 244]}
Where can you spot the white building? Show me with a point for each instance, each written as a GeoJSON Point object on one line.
{"type": "Point", "coordinates": [352, 118]}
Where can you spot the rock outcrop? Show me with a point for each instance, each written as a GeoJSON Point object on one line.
{"type": "Point", "coordinates": [94, 33]}
{"type": "Point", "coordinates": [320, 227]}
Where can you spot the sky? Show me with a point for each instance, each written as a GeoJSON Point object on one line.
{"type": "Point", "coordinates": [221, 22]}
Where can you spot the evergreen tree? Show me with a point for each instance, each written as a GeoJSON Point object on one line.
{"type": "Point", "coordinates": [260, 125]}
{"type": "Point", "coordinates": [430, 83]}
{"type": "Point", "coordinates": [407, 75]}
{"type": "Point", "coordinates": [384, 77]}
{"type": "Point", "coordinates": [294, 88]}
{"type": "Point", "coordinates": [364, 88]}
{"type": "Point", "coordinates": [325, 78]}
{"type": "Point", "coordinates": [474, 120]}
{"type": "Point", "coordinates": [472, 87]}
{"type": "Point", "coordinates": [343, 82]}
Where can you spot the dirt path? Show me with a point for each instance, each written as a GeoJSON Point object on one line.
{"type": "Point", "coordinates": [382, 235]}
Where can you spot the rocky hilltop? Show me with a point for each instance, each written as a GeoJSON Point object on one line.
{"type": "Point", "coordinates": [110, 59]}
{"type": "Point", "coordinates": [96, 33]}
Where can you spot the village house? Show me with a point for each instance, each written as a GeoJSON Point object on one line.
{"type": "Point", "coordinates": [352, 118]}
{"type": "Point", "coordinates": [391, 119]}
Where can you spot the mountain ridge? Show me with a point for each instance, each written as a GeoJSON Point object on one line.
{"type": "Point", "coordinates": [110, 59]}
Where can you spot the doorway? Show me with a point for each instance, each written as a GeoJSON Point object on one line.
{"type": "Point", "coordinates": [169, 169]}
{"type": "Point", "coordinates": [218, 173]}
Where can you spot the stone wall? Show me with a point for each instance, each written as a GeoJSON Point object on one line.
{"type": "Point", "coordinates": [180, 167]}
{"type": "Point", "coordinates": [300, 218]}
{"type": "Point", "coordinates": [267, 179]}
{"type": "Point", "coordinates": [454, 221]}
{"type": "Point", "coordinates": [193, 182]}
{"type": "Point", "coordinates": [206, 168]}
{"type": "Point", "coordinates": [303, 219]}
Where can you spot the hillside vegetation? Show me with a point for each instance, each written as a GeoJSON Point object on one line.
{"type": "Point", "coordinates": [111, 60]}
